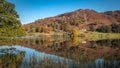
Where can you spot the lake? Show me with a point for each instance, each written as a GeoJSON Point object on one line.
{"type": "Point", "coordinates": [57, 52]}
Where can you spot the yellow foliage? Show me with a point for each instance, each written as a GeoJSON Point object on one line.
{"type": "Point", "coordinates": [75, 32]}
{"type": "Point", "coordinates": [75, 40]}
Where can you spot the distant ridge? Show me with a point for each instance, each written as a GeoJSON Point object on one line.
{"type": "Point", "coordinates": [80, 19]}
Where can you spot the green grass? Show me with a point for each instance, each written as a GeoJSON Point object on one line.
{"type": "Point", "coordinates": [99, 36]}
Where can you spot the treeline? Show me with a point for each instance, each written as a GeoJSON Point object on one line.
{"type": "Point", "coordinates": [51, 27]}
{"type": "Point", "coordinates": [113, 28]}
{"type": "Point", "coordinates": [67, 27]}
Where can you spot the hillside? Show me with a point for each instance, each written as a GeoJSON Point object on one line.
{"type": "Point", "coordinates": [80, 19]}
{"type": "Point", "coordinates": [115, 14]}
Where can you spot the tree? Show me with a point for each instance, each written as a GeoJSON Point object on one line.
{"type": "Point", "coordinates": [92, 27]}
{"type": "Point", "coordinates": [75, 32]}
{"type": "Point", "coordinates": [9, 17]}
{"type": "Point", "coordinates": [115, 28]}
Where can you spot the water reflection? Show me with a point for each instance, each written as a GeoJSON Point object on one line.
{"type": "Point", "coordinates": [61, 52]}
{"type": "Point", "coordinates": [111, 43]}
{"type": "Point", "coordinates": [10, 57]}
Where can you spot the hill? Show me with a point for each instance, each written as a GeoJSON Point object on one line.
{"type": "Point", "coordinates": [80, 20]}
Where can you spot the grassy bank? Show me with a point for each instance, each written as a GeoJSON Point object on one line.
{"type": "Point", "coordinates": [80, 34]}
{"type": "Point", "coordinates": [98, 35]}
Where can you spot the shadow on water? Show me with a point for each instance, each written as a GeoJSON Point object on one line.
{"type": "Point", "coordinates": [59, 53]}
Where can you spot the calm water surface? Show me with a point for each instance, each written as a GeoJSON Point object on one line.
{"type": "Point", "coordinates": [37, 52]}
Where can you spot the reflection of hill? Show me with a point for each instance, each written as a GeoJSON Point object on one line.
{"type": "Point", "coordinates": [86, 51]}
{"type": "Point", "coordinates": [11, 58]}
{"type": "Point", "coordinates": [79, 49]}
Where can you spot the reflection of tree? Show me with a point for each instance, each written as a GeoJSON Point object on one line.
{"type": "Point", "coordinates": [92, 44]}
{"type": "Point", "coordinates": [110, 43]}
{"type": "Point", "coordinates": [11, 58]}
{"type": "Point", "coordinates": [85, 52]}
{"type": "Point", "coordinates": [72, 49]}
{"type": "Point", "coordinates": [4, 41]}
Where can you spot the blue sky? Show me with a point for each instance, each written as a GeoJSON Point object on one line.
{"type": "Point", "coordinates": [31, 10]}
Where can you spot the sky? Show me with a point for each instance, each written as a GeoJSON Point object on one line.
{"type": "Point", "coordinates": [32, 10]}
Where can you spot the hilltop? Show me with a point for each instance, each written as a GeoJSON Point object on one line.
{"type": "Point", "coordinates": [86, 19]}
